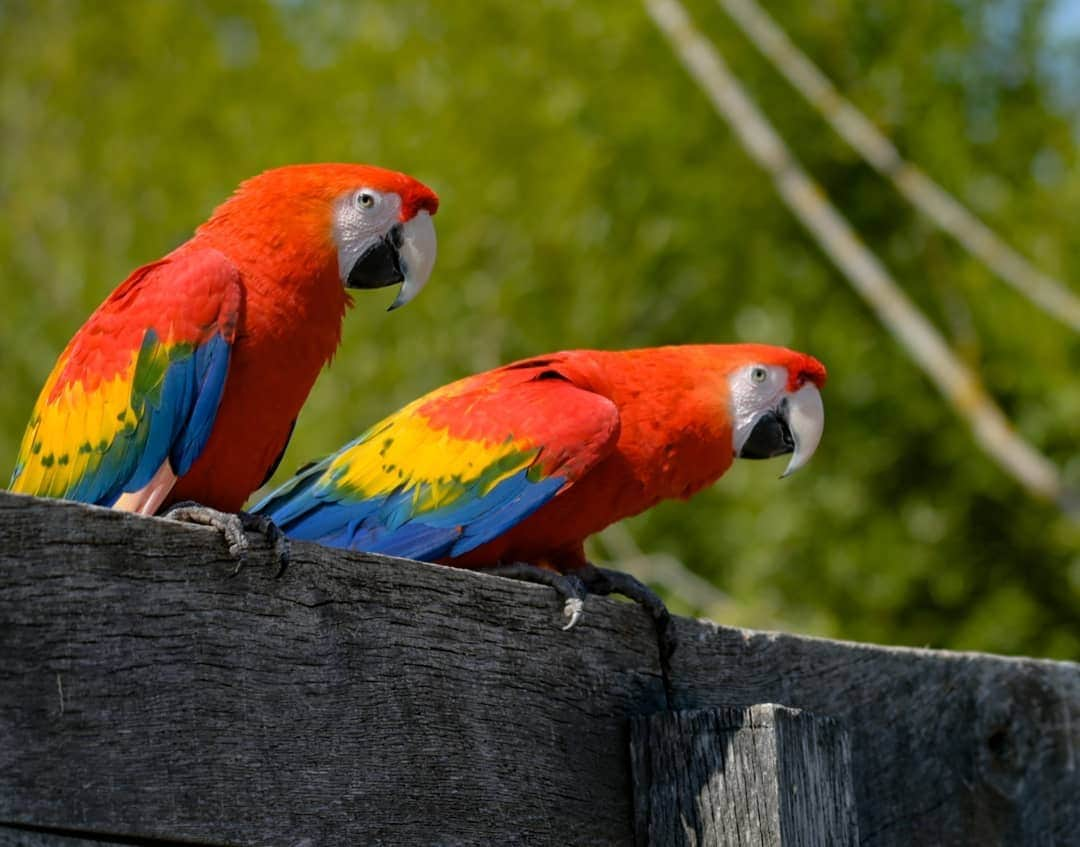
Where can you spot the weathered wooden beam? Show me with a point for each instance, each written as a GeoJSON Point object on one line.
{"type": "Point", "coordinates": [145, 693]}
{"type": "Point", "coordinates": [765, 776]}
{"type": "Point", "coordinates": [17, 836]}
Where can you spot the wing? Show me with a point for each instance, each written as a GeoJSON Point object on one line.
{"type": "Point", "coordinates": [138, 386]}
{"type": "Point", "coordinates": [453, 470]}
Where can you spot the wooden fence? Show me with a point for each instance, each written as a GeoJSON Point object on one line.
{"type": "Point", "coordinates": [148, 697]}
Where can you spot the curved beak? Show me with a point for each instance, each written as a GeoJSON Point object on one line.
{"type": "Point", "coordinates": [406, 254]}
{"type": "Point", "coordinates": [416, 256]}
{"type": "Point", "coordinates": [794, 427]}
{"type": "Point", "coordinates": [806, 419]}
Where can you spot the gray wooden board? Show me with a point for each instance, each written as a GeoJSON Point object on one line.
{"type": "Point", "coordinates": [11, 836]}
{"type": "Point", "coordinates": [763, 776]}
{"type": "Point", "coordinates": [144, 691]}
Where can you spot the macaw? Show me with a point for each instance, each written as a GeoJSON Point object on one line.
{"type": "Point", "coordinates": [185, 384]}
{"type": "Point", "coordinates": [512, 469]}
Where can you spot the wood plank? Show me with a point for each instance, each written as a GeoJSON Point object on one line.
{"type": "Point", "coordinates": [145, 692]}
{"type": "Point", "coordinates": [765, 776]}
{"type": "Point", "coordinates": [11, 836]}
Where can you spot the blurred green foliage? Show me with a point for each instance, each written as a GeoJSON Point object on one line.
{"type": "Point", "coordinates": [591, 197]}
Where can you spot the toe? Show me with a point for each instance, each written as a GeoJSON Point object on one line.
{"type": "Point", "coordinates": [233, 531]}
{"type": "Point", "coordinates": [573, 609]}
{"type": "Point", "coordinates": [283, 554]}
{"type": "Point", "coordinates": [229, 525]}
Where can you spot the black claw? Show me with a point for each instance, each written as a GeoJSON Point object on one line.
{"type": "Point", "coordinates": [266, 527]}
{"type": "Point", "coordinates": [574, 587]}
{"type": "Point", "coordinates": [603, 581]}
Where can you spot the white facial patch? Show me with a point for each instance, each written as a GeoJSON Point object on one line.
{"type": "Point", "coordinates": [755, 389]}
{"type": "Point", "coordinates": [361, 219]}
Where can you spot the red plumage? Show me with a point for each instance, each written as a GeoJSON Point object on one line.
{"type": "Point", "coordinates": [671, 410]}
{"type": "Point", "coordinates": [524, 462]}
{"type": "Point", "coordinates": [185, 383]}
{"type": "Point", "coordinates": [277, 230]}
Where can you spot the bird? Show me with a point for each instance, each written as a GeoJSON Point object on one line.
{"type": "Point", "coordinates": [511, 470]}
{"type": "Point", "coordinates": [179, 394]}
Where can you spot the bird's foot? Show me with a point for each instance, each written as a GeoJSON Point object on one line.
{"type": "Point", "coordinates": [603, 581]}
{"type": "Point", "coordinates": [229, 525]}
{"type": "Point", "coordinates": [234, 527]}
{"type": "Point", "coordinates": [574, 587]}
{"type": "Point", "coordinates": [568, 586]}
{"type": "Point", "coordinates": [274, 536]}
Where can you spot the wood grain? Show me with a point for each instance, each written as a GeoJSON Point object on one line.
{"type": "Point", "coordinates": [17, 836]}
{"type": "Point", "coordinates": [764, 776]}
{"type": "Point", "coordinates": [361, 700]}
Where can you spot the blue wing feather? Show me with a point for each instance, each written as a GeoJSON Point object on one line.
{"type": "Point", "coordinates": [173, 421]}
{"type": "Point", "coordinates": [179, 418]}
{"type": "Point", "coordinates": [210, 366]}
{"type": "Point", "coordinates": [308, 510]}
{"type": "Point", "coordinates": [414, 487]}
{"type": "Point", "coordinates": [140, 384]}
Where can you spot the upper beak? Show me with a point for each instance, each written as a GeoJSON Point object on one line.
{"type": "Point", "coordinates": [794, 427]}
{"type": "Point", "coordinates": [406, 255]}
{"type": "Point", "coordinates": [806, 420]}
{"type": "Point", "coordinates": [417, 256]}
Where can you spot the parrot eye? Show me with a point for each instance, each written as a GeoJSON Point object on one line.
{"type": "Point", "coordinates": [365, 200]}
{"type": "Point", "coordinates": [758, 375]}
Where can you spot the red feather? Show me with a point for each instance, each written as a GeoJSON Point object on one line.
{"type": "Point", "coordinates": [524, 462]}
{"type": "Point", "coordinates": [261, 275]}
{"type": "Point", "coordinates": [277, 229]}
{"type": "Point", "coordinates": [675, 436]}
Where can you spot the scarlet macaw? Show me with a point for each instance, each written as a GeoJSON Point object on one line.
{"type": "Point", "coordinates": [514, 468]}
{"type": "Point", "coordinates": [185, 384]}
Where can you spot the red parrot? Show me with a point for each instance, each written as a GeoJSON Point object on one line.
{"type": "Point", "coordinates": [185, 384]}
{"type": "Point", "coordinates": [514, 468]}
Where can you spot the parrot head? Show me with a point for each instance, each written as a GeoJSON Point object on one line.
{"type": "Point", "coordinates": [370, 225]}
{"type": "Point", "coordinates": [776, 404]}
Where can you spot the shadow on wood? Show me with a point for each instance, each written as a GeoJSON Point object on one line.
{"type": "Point", "coordinates": [362, 700]}
{"type": "Point", "coordinates": [758, 777]}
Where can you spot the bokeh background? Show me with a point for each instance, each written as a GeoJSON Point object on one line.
{"type": "Point", "coordinates": [591, 197]}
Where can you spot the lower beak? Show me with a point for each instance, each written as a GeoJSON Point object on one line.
{"type": "Point", "coordinates": [794, 427]}
{"type": "Point", "coordinates": [379, 265]}
{"type": "Point", "coordinates": [406, 255]}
